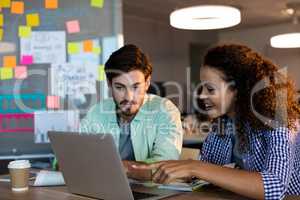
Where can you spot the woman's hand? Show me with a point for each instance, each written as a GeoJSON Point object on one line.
{"type": "Point", "coordinates": [169, 171]}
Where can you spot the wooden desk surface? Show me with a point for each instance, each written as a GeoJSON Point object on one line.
{"type": "Point", "coordinates": [61, 193]}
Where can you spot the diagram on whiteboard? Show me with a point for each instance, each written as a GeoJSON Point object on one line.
{"type": "Point", "coordinates": [73, 79]}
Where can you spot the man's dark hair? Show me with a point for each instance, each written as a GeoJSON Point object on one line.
{"type": "Point", "coordinates": [127, 59]}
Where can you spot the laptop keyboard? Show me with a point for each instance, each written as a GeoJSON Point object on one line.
{"type": "Point", "coordinates": [139, 195]}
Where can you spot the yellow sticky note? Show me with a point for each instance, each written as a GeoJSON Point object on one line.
{"type": "Point", "coordinates": [6, 73]}
{"type": "Point", "coordinates": [101, 73]}
{"type": "Point", "coordinates": [1, 19]}
{"type": "Point", "coordinates": [97, 3]}
{"type": "Point", "coordinates": [5, 3]}
{"type": "Point", "coordinates": [9, 61]}
{"type": "Point", "coordinates": [73, 48]}
{"type": "Point", "coordinates": [33, 19]}
{"type": "Point", "coordinates": [97, 50]}
{"type": "Point", "coordinates": [24, 31]}
{"type": "Point", "coordinates": [1, 34]}
{"type": "Point", "coordinates": [17, 7]}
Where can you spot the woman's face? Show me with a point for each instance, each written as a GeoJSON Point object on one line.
{"type": "Point", "coordinates": [217, 95]}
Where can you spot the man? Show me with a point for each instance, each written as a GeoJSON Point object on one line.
{"type": "Point", "coordinates": [146, 128]}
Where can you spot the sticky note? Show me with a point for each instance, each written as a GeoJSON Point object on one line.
{"type": "Point", "coordinates": [73, 48]}
{"type": "Point", "coordinates": [21, 72]}
{"type": "Point", "coordinates": [26, 60]}
{"type": "Point", "coordinates": [101, 73]}
{"type": "Point", "coordinates": [5, 3]}
{"type": "Point", "coordinates": [88, 46]}
{"type": "Point", "coordinates": [51, 4]}
{"type": "Point", "coordinates": [97, 3]}
{"type": "Point", "coordinates": [73, 26]}
{"type": "Point", "coordinates": [97, 50]}
{"type": "Point", "coordinates": [1, 19]}
{"type": "Point", "coordinates": [9, 61]}
{"type": "Point", "coordinates": [24, 31]}
{"type": "Point", "coordinates": [33, 19]}
{"type": "Point", "coordinates": [53, 102]}
{"type": "Point", "coordinates": [1, 34]}
{"type": "Point", "coordinates": [17, 7]}
{"type": "Point", "coordinates": [6, 73]}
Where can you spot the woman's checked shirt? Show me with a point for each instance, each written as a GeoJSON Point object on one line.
{"type": "Point", "coordinates": [275, 154]}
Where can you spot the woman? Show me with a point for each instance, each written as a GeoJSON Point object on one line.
{"type": "Point", "coordinates": [256, 111]}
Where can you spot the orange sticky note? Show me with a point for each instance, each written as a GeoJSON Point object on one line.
{"type": "Point", "coordinates": [21, 72]}
{"type": "Point", "coordinates": [5, 3]}
{"type": "Point", "coordinates": [9, 61]}
{"type": "Point", "coordinates": [51, 4]}
{"type": "Point", "coordinates": [17, 7]}
{"type": "Point", "coordinates": [88, 46]}
{"type": "Point", "coordinates": [53, 102]}
{"type": "Point", "coordinates": [1, 19]}
{"type": "Point", "coordinates": [1, 34]}
{"type": "Point", "coordinates": [33, 19]}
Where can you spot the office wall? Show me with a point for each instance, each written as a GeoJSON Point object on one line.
{"type": "Point", "coordinates": [167, 47]}
{"type": "Point", "coordinates": [259, 39]}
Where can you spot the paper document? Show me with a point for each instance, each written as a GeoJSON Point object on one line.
{"type": "Point", "coordinates": [177, 186]}
{"type": "Point", "coordinates": [49, 178]}
{"type": "Point", "coordinates": [182, 186]}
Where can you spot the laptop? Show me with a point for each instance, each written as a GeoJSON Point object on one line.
{"type": "Point", "coordinates": [91, 166]}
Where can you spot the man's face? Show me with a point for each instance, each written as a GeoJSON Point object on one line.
{"type": "Point", "coordinates": [128, 91]}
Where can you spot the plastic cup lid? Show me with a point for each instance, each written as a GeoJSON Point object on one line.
{"type": "Point", "coordinates": [19, 164]}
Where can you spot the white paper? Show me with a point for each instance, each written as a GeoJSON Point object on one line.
{"type": "Point", "coordinates": [7, 47]}
{"type": "Point", "coordinates": [49, 178]}
{"type": "Point", "coordinates": [182, 186]}
{"type": "Point", "coordinates": [73, 79]}
{"type": "Point", "coordinates": [45, 46]}
{"type": "Point", "coordinates": [45, 121]}
{"type": "Point", "coordinates": [86, 57]}
{"type": "Point", "coordinates": [177, 186]}
{"type": "Point", "coordinates": [109, 45]}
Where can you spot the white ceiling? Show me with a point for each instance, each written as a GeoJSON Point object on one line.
{"type": "Point", "coordinates": [254, 12]}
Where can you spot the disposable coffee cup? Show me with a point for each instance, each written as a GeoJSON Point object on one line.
{"type": "Point", "coordinates": [19, 175]}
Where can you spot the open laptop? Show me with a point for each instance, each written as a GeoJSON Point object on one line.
{"type": "Point", "coordinates": [92, 167]}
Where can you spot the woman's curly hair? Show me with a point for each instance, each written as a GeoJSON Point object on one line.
{"type": "Point", "coordinates": [275, 95]}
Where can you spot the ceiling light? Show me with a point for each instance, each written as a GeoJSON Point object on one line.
{"type": "Point", "coordinates": [288, 40]}
{"type": "Point", "coordinates": [205, 17]}
{"type": "Point", "coordinates": [291, 38]}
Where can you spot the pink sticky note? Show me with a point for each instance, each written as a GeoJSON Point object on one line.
{"type": "Point", "coordinates": [20, 72]}
{"type": "Point", "coordinates": [73, 26]}
{"type": "Point", "coordinates": [53, 102]}
{"type": "Point", "coordinates": [26, 60]}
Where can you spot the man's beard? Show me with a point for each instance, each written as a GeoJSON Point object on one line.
{"type": "Point", "coordinates": [126, 112]}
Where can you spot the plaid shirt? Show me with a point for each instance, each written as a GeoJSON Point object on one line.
{"type": "Point", "coordinates": [274, 154]}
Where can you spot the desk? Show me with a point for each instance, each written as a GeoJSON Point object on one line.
{"type": "Point", "coordinates": [61, 193]}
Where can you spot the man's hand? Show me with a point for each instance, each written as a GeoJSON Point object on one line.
{"type": "Point", "coordinates": [139, 174]}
